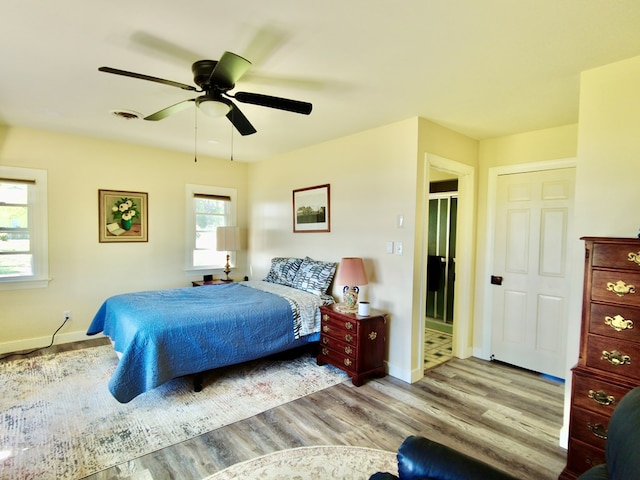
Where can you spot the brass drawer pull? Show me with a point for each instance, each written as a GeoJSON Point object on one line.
{"type": "Point", "coordinates": [601, 398]}
{"type": "Point", "coordinates": [347, 362]}
{"type": "Point", "coordinates": [325, 317]}
{"type": "Point", "coordinates": [348, 337]}
{"type": "Point", "coordinates": [618, 323]}
{"type": "Point", "coordinates": [634, 257]}
{"type": "Point", "coordinates": [348, 325]}
{"type": "Point", "coordinates": [620, 288]}
{"type": "Point", "coordinates": [373, 335]}
{"type": "Point", "coordinates": [616, 358]}
{"type": "Point", "coordinates": [598, 430]}
{"type": "Point", "coordinates": [348, 350]}
{"type": "Point", "coordinates": [325, 328]}
{"type": "Point", "coordinates": [325, 351]}
{"type": "Point", "coordinates": [325, 340]}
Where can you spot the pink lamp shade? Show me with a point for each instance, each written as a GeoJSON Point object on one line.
{"type": "Point", "coordinates": [351, 274]}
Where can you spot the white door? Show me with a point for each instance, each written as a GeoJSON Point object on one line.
{"type": "Point", "coordinates": [530, 286]}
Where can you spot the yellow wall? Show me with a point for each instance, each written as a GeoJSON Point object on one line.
{"type": "Point", "coordinates": [374, 177]}
{"type": "Point", "coordinates": [607, 173]}
{"type": "Point", "coordinates": [83, 271]}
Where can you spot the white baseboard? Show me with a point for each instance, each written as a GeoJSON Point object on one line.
{"type": "Point", "coordinates": [42, 342]}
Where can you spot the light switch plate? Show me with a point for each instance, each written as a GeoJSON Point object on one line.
{"type": "Point", "coordinates": [389, 247]}
{"type": "Point", "coordinates": [398, 248]}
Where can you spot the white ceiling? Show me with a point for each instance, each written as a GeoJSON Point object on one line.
{"type": "Point", "coordinates": [484, 68]}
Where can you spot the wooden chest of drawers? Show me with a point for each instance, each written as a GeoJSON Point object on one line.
{"type": "Point", "coordinates": [353, 343]}
{"type": "Point", "coordinates": [608, 365]}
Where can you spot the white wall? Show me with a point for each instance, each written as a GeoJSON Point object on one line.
{"type": "Point", "coordinates": [83, 271]}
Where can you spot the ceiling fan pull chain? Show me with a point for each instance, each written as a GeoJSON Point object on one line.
{"type": "Point", "coordinates": [195, 140]}
{"type": "Point", "coordinates": [232, 134]}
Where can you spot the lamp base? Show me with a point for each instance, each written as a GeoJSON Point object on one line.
{"type": "Point", "coordinates": [344, 308]}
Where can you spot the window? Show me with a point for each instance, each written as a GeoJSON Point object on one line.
{"type": "Point", "coordinates": [23, 228]}
{"type": "Point", "coordinates": [207, 208]}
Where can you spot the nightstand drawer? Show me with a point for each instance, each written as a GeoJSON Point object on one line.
{"type": "Point", "coordinates": [338, 346]}
{"type": "Point", "coordinates": [582, 456]}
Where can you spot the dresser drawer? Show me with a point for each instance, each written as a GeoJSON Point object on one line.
{"type": "Point", "coordinates": [339, 358]}
{"type": "Point", "coordinates": [582, 456]}
{"type": "Point", "coordinates": [589, 427]}
{"type": "Point", "coordinates": [614, 356]}
{"type": "Point", "coordinates": [596, 394]}
{"type": "Point", "coordinates": [616, 287]}
{"type": "Point", "coordinates": [616, 255]}
{"type": "Point", "coordinates": [615, 321]}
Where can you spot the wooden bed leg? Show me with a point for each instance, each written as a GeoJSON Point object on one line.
{"type": "Point", "coordinates": [197, 382]}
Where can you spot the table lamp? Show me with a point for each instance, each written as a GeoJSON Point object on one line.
{"type": "Point", "coordinates": [227, 240]}
{"type": "Point", "coordinates": [351, 274]}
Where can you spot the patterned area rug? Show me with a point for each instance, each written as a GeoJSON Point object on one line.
{"type": "Point", "coordinates": [59, 421]}
{"type": "Point", "coordinates": [353, 463]}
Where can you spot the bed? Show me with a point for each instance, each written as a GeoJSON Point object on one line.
{"type": "Point", "coordinates": [164, 334]}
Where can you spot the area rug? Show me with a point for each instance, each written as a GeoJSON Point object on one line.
{"type": "Point", "coordinates": [322, 462]}
{"type": "Point", "coordinates": [59, 421]}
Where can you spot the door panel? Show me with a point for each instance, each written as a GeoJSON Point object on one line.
{"type": "Point", "coordinates": [533, 224]}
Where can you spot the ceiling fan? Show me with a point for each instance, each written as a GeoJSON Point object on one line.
{"type": "Point", "coordinates": [215, 79]}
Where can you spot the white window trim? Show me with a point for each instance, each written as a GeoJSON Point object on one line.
{"type": "Point", "coordinates": [38, 212]}
{"type": "Point", "coordinates": [190, 227]}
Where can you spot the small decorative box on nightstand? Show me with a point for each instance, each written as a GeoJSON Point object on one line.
{"type": "Point", "coordinates": [353, 343]}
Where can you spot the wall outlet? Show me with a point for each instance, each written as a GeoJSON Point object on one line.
{"type": "Point", "coordinates": [399, 248]}
{"type": "Point", "coordinates": [66, 315]}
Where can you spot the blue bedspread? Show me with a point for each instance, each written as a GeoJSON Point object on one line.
{"type": "Point", "coordinates": [165, 334]}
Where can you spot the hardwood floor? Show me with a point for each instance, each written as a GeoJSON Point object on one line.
{"type": "Point", "coordinates": [502, 415]}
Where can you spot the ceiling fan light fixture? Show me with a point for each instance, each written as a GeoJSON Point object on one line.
{"type": "Point", "coordinates": [212, 107]}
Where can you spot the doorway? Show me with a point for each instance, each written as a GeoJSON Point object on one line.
{"type": "Point", "coordinates": [441, 254]}
{"type": "Point", "coordinates": [439, 168]}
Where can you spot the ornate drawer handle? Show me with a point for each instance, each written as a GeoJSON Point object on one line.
{"type": "Point", "coordinates": [373, 335]}
{"type": "Point", "coordinates": [325, 340]}
{"type": "Point", "coordinates": [616, 358]}
{"type": "Point", "coordinates": [325, 351]}
{"type": "Point", "coordinates": [347, 362]}
{"type": "Point", "coordinates": [634, 257]}
{"type": "Point", "coordinates": [325, 317]}
{"type": "Point", "coordinates": [620, 288]}
{"type": "Point", "coordinates": [348, 325]}
{"type": "Point", "coordinates": [325, 328]}
{"type": "Point", "coordinates": [348, 350]}
{"type": "Point", "coordinates": [598, 430]}
{"type": "Point", "coordinates": [592, 462]}
{"type": "Point", "coordinates": [601, 398]}
{"type": "Point", "coordinates": [618, 323]}
{"type": "Point", "coordinates": [348, 337]}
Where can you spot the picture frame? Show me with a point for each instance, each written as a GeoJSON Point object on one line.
{"type": "Point", "coordinates": [311, 209]}
{"type": "Point", "coordinates": [122, 216]}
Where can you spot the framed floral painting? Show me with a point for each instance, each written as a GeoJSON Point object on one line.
{"type": "Point", "coordinates": [122, 216]}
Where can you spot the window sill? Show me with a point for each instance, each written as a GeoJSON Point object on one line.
{"type": "Point", "coordinates": [23, 284]}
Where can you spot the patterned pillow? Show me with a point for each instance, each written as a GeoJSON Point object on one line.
{"type": "Point", "coordinates": [314, 276]}
{"type": "Point", "coordinates": [283, 270]}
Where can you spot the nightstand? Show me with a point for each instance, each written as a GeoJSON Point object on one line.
{"type": "Point", "coordinates": [200, 283]}
{"type": "Point", "coordinates": [353, 343]}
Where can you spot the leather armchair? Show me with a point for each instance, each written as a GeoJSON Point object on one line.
{"type": "Point", "coordinates": [421, 458]}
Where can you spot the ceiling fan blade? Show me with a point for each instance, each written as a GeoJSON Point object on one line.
{"type": "Point", "coordinates": [165, 112]}
{"type": "Point", "coordinates": [171, 83]}
{"type": "Point", "coordinates": [242, 123]}
{"type": "Point", "coordinates": [274, 102]}
{"type": "Point", "coordinates": [228, 70]}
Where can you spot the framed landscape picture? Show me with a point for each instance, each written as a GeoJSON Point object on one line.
{"type": "Point", "coordinates": [122, 216]}
{"type": "Point", "coordinates": [311, 212]}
